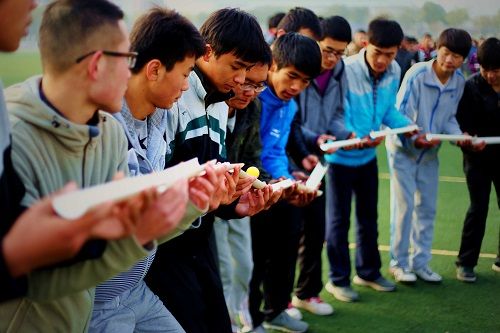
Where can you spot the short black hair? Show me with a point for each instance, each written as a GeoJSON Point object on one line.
{"type": "Point", "coordinates": [488, 54]}
{"type": "Point", "coordinates": [385, 33]}
{"type": "Point", "coordinates": [71, 28]}
{"type": "Point", "coordinates": [301, 18]}
{"type": "Point", "coordinates": [165, 35]}
{"type": "Point", "coordinates": [294, 49]}
{"type": "Point", "coordinates": [275, 20]}
{"type": "Point", "coordinates": [337, 28]}
{"type": "Point", "coordinates": [231, 30]}
{"type": "Point", "coordinates": [455, 40]}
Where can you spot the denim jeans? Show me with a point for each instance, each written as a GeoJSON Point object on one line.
{"type": "Point", "coordinates": [135, 310]}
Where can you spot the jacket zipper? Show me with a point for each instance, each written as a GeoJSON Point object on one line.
{"type": "Point", "coordinates": [84, 160]}
{"type": "Point", "coordinates": [419, 159]}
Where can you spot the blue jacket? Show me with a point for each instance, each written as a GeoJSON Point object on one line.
{"type": "Point", "coordinates": [275, 123]}
{"type": "Point", "coordinates": [368, 104]}
{"type": "Point", "coordinates": [428, 104]}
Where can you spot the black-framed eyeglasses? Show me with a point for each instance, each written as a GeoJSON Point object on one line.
{"type": "Point", "coordinates": [333, 53]}
{"type": "Point", "coordinates": [131, 56]}
{"type": "Point", "coordinates": [258, 88]}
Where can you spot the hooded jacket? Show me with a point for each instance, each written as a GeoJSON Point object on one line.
{"type": "Point", "coordinates": [369, 104]}
{"type": "Point", "coordinates": [48, 151]}
{"type": "Point", "coordinates": [275, 123]}
{"type": "Point", "coordinates": [429, 105]}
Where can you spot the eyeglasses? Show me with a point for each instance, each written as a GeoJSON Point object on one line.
{"type": "Point", "coordinates": [258, 88]}
{"type": "Point", "coordinates": [131, 56]}
{"type": "Point", "coordinates": [333, 53]}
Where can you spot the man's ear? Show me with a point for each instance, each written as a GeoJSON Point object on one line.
{"type": "Point", "coordinates": [274, 67]}
{"type": "Point", "coordinates": [208, 52]}
{"type": "Point", "coordinates": [94, 65]}
{"type": "Point", "coordinates": [153, 69]}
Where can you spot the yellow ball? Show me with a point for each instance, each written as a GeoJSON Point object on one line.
{"type": "Point", "coordinates": [253, 171]}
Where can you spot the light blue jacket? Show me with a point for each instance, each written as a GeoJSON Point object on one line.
{"type": "Point", "coordinates": [428, 104]}
{"type": "Point", "coordinates": [275, 123]}
{"type": "Point", "coordinates": [368, 104]}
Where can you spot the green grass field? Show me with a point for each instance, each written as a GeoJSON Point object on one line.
{"type": "Point", "coordinates": [450, 307]}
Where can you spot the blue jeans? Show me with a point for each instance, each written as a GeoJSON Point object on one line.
{"type": "Point", "coordinates": [135, 310]}
{"type": "Point", "coordinates": [343, 182]}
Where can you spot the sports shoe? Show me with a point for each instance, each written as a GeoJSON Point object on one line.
{"type": "Point", "coordinates": [466, 274]}
{"type": "Point", "coordinates": [496, 266]}
{"type": "Point", "coordinates": [428, 275]}
{"type": "Point", "coordinates": [259, 329]}
{"type": "Point", "coordinates": [380, 284]}
{"type": "Point", "coordinates": [293, 312]}
{"type": "Point", "coordinates": [283, 322]}
{"type": "Point", "coordinates": [403, 275]}
{"type": "Point", "coordinates": [345, 294]}
{"type": "Point", "coordinates": [314, 305]}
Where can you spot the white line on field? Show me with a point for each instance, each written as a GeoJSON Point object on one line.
{"type": "Point", "coordinates": [386, 248]}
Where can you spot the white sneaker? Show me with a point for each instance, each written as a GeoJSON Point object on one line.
{"type": "Point", "coordinates": [426, 274]}
{"type": "Point", "coordinates": [314, 305]}
{"type": "Point", "coordinates": [294, 312]}
{"type": "Point", "coordinates": [403, 275]}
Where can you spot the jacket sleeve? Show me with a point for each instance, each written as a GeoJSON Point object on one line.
{"type": "Point", "coordinates": [192, 213]}
{"type": "Point", "coordinates": [465, 114]}
{"type": "Point", "coordinates": [452, 126]}
{"type": "Point", "coordinates": [337, 124]}
{"type": "Point", "coordinates": [118, 257]}
{"type": "Point", "coordinates": [296, 145]}
{"type": "Point", "coordinates": [407, 102]}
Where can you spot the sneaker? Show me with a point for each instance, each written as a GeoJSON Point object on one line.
{"type": "Point", "coordinates": [344, 294]}
{"type": "Point", "coordinates": [428, 275]}
{"type": "Point", "coordinates": [293, 312]}
{"type": "Point", "coordinates": [314, 305]}
{"type": "Point", "coordinates": [496, 266]}
{"type": "Point", "coordinates": [466, 274]}
{"type": "Point", "coordinates": [403, 275]}
{"type": "Point", "coordinates": [283, 322]}
{"type": "Point", "coordinates": [380, 284]}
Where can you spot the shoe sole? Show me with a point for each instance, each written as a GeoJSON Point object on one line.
{"type": "Point", "coordinates": [308, 309]}
{"type": "Point", "coordinates": [402, 281]}
{"type": "Point", "coordinates": [495, 268]}
{"type": "Point", "coordinates": [430, 281]}
{"type": "Point", "coordinates": [466, 279]}
{"type": "Point", "coordinates": [340, 297]}
{"type": "Point", "coordinates": [360, 282]}
{"type": "Point", "coordinates": [268, 326]}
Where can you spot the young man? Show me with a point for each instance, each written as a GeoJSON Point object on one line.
{"type": "Point", "coordinates": [185, 274]}
{"type": "Point", "coordinates": [373, 79]}
{"type": "Point", "coordinates": [59, 135]}
{"type": "Point", "coordinates": [233, 237]}
{"type": "Point", "coordinates": [479, 114]}
{"type": "Point", "coordinates": [301, 20]}
{"type": "Point", "coordinates": [158, 80]}
{"type": "Point", "coordinates": [359, 41]}
{"type": "Point", "coordinates": [318, 122]}
{"type": "Point", "coordinates": [38, 237]}
{"type": "Point", "coordinates": [429, 96]}
{"type": "Point", "coordinates": [296, 61]}
{"type": "Point", "coordinates": [272, 27]}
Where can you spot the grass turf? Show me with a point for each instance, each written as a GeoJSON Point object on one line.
{"type": "Point", "coordinates": [452, 306]}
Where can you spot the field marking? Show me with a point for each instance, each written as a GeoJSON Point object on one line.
{"type": "Point", "coordinates": [447, 179]}
{"type": "Point", "coordinates": [386, 248]}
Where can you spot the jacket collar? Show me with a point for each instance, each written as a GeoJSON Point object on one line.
{"type": "Point", "coordinates": [211, 95]}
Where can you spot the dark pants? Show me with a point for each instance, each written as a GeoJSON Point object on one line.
{"type": "Point", "coordinates": [345, 181]}
{"type": "Point", "coordinates": [275, 238]}
{"type": "Point", "coordinates": [479, 175]}
{"type": "Point", "coordinates": [309, 283]}
{"type": "Point", "coordinates": [186, 278]}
